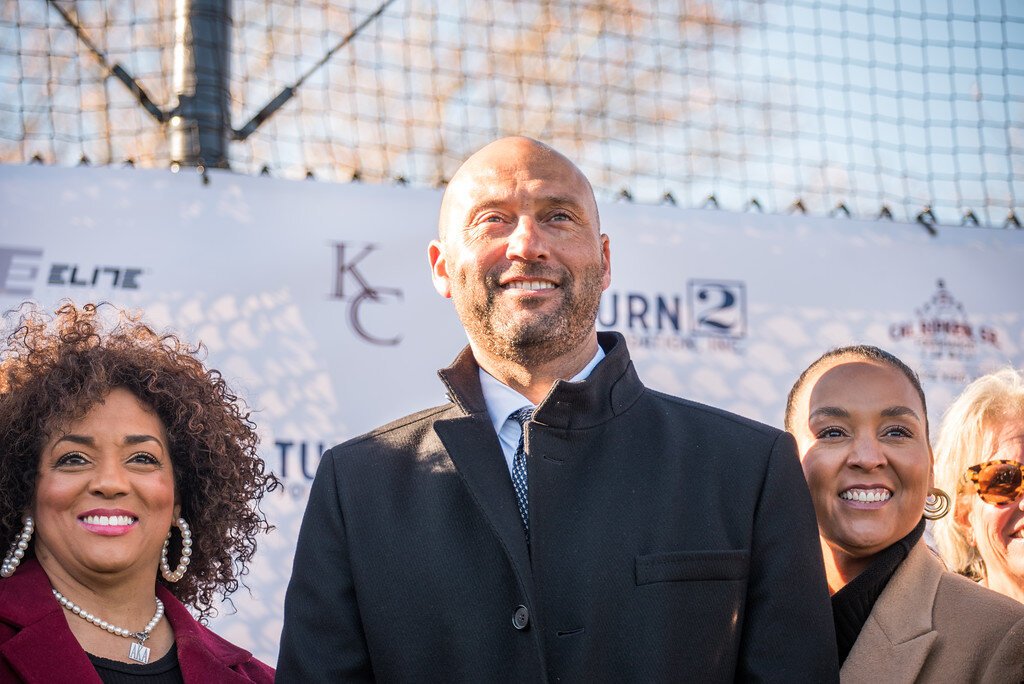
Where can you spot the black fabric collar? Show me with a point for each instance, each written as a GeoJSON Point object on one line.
{"type": "Point", "coordinates": [611, 388]}
{"type": "Point", "coordinates": [852, 604]}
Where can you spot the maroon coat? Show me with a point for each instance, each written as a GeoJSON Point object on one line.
{"type": "Point", "coordinates": [36, 644]}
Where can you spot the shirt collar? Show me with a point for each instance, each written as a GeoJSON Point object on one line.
{"type": "Point", "coordinates": [501, 400]}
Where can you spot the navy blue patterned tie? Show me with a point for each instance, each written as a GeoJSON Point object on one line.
{"type": "Point", "coordinates": [522, 416]}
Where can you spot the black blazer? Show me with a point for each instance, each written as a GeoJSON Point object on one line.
{"type": "Point", "coordinates": [669, 541]}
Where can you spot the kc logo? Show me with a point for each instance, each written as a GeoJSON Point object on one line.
{"type": "Point", "coordinates": [348, 259]}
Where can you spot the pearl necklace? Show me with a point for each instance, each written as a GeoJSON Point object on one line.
{"type": "Point", "coordinates": [138, 652]}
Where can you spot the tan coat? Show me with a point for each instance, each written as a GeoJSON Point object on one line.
{"type": "Point", "coordinates": [930, 625]}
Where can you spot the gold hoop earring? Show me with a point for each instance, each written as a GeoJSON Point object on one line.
{"type": "Point", "coordinates": [936, 505]}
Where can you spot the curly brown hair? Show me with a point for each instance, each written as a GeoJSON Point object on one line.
{"type": "Point", "coordinates": [55, 368]}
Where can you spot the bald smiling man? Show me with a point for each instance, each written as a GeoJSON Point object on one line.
{"type": "Point", "coordinates": [555, 520]}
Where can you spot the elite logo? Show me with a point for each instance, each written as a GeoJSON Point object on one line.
{"type": "Point", "coordinates": [20, 268]}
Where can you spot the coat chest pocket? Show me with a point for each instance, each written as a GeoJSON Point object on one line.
{"type": "Point", "coordinates": [688, 566]}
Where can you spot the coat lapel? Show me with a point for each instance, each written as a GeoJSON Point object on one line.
{"type": "Point", "coordinates": [202, 655]}
{"type": "Point", "coordinates": [44, 649]}
{"type": "Point", "coordinates": [473, 447]}
{"type": "Point", "coordinates": [898, 635]}
{"type": "Point", "coordinates": [47, 651]}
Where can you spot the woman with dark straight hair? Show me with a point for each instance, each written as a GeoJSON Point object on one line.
{"type": "Point", "coordinates": [860, 421]}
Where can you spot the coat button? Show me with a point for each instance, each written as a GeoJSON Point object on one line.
{"type": "Point", "coordinates": [521, 618]}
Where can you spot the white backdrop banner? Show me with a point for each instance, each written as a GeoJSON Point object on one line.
{"type": "Point", "coordinates": [315, 302]}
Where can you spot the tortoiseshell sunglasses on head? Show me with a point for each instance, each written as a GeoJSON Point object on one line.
{"type": "Point", "coordinates": [997, 482]}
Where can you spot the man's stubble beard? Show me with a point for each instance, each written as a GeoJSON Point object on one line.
{"type": "Point", "coordinates": [546, 336]}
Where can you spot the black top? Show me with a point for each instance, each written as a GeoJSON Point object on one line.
{"type": "Point", "coordinates": [852, 604]}
{"type": "Point", "coordinates": [166, 670]}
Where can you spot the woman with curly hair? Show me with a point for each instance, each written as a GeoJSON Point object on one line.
{"type": "Point", "coordinates": [129, 482]}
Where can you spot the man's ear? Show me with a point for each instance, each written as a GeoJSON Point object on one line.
{"type": "Point", "coordinates": [606, 261]}
{"type": "Point", "coordinates": [439, 269]}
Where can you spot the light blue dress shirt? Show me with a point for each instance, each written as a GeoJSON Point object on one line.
{"type": "Point", "coordinates": [502, 401]}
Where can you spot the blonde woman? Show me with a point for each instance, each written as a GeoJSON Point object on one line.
{"type": "Point", "coordinates": [979, 458]}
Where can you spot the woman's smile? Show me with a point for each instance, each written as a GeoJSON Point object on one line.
{"type": "Point", "coordinates": [107, 522]}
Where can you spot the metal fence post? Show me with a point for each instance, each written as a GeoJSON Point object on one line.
{"type": "Point", "coordinates": [200, 125]}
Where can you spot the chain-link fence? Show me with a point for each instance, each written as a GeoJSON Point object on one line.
{"type": "Point", "coordinates": [887, 108]}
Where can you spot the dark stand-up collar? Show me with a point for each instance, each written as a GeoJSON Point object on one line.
{"type": "Point", "coordinates": [610, 389]}
{"type": "Point", "coordinates": [852, 604]}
